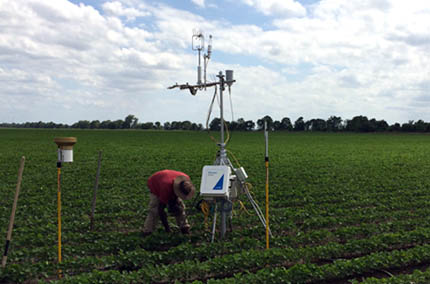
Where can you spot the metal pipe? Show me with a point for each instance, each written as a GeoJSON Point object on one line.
{"type": "Point", "coordinates": [221, 107]}
{"type": "Point", "coordinates": [214, 224]}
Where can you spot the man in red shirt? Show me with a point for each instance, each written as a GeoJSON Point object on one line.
{"type": "Point", "coordinates": [167, 189]}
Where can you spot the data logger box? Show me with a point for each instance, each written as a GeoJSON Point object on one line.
{"type": "Point", "coordinates": [215, 181]}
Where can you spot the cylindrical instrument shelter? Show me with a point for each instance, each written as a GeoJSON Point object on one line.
{"type": "Point", "coordinates": [65, 148]}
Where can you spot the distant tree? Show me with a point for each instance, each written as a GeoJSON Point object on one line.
{"type": "Point", "coordinates": [241, 124]}
{"type": "Point", "coordinates": [215, 124]}
{"type": "Point", "coordinates": [277, 125]}
{"type": "Point", "coordinates": [50, 125]}
{"type": "Point", "coordinates": [408, 127]}
{"type": "Point", "coordinates": [249, 125]}
{"type": "Point", "coordinates": [105, 124]}
{"type": "Point", "coordinates": [175, 125]}
{"type": "Point", "coordinates": [308, 125]}
{"type": "Point", "coordinates": [395, 127]}
{"type": "Point", "coordinates": [196, 127]}
{"type": "Point", "coordinates": [299, 124]}
{"type": "Point", "coordinates": [334, 123]}
{"type": "Point", "coordinates": [129, 121]}
{"type": "Point", "coordinates": [358, 124]}
{"type": "Point", "coordinates": [420, 126]}
{"type": "Point", "coordinates": [147, 125]}
{"type": "Point", "coordinates": [117, 124]}
{"type": "Point", "coordinates": [82, 124]}
{"type": "Point", "coordinates": [95, 124]}
{"type": "Point", "coordinates": [186, 125]}
{"type": "Point", "coordinates": [134, 123]}
{"type": "Point", "coordinates": [61, 125]}
{"type": "Point", "coordinates": [381, 125]}
{"type": "Point", "coordinates": [286, 124]}
{"type": "Point", "coordinates": [317, 124]}
{"type": "Point", "coordinates": [232, 125]}
{"type": "Point", "coordinates": [373, 125]}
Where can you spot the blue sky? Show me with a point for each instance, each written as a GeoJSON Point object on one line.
{"type": "Point", "coordinates": [64, 61]}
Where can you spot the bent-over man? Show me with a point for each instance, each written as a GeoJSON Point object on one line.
{"type": "Point", "coordinates": [167, 189]}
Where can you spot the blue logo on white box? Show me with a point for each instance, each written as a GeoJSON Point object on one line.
{"type": "Point", "coordinates": [219, 184]}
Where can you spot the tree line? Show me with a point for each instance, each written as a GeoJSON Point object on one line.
{"type": "Point", "coordinates": [332, 124]}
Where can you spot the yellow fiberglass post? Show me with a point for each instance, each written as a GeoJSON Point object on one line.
{"type": "Point", "coordinates": [266, 161]}
{"type": "Point", "coordinates": [65, 155]}
{"type": "Point", "coordinates": [59, 209]}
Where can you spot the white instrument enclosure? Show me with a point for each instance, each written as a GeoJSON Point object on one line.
{"type": "Point", "coordinates": [215, 181]}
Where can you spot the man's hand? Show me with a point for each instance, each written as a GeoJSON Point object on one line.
{"type": "Point", "coordinates": [185, 230]}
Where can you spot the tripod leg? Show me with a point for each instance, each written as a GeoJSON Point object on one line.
{"type": "Point", "coordinates": [256, 209]}
{"type": "Point", "coordinates": [223, 219]}
{"type": "Point", "coordinates": [214, 224]}
{"type": "Point", "coordinates": [230, 222]}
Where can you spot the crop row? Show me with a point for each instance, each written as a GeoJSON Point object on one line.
{"type": "Point", "coordinates": [341, 269]}
{"type": "Point", "coordinates": [103, 243]}
{"type": "Point", "coordinates": [416, 277]}
{"type": "Point", "coordinates": [315, 229]}
{"type": "Point", "coordinates": [346, 198]}
{"type": "Point", "coordinates": [252, 260]}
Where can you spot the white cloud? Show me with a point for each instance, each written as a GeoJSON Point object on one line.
{"type": "Point", "coordinates": [64, 62]}
{"type": "Point", "coordinates": [80, 57]}
{"type": "Point", "coordinates": [200, 3]}
{"type": "Point", "coordinates": [289, 8]}
{"type": "Point", "coordinates": [116, 8]}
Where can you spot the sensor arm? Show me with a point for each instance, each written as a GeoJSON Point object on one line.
{"type": "Point", "coordinates": [193, 88]}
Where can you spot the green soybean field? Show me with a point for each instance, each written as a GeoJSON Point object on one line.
{"type": "Point", "coordinates": [344, 208]}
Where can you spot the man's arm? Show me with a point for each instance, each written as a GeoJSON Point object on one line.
{"type": "Point", "coordinates": [163, 216]}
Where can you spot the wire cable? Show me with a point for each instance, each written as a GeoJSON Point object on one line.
{"type": "Point", "coordinates": [243, 208]}
{"type": "Point", "coordinates": [205, 209]}
{"type": "Point", "coordinates": [227, 132]}
{"type": "Point", "coordinates": [234, 157]}
{"type": "Point", "coordinates": [231, 104]}
{"type": "Point", "coordinates": [209, 115]}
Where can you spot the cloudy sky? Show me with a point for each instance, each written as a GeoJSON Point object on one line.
{"type": "Point", "coordinates": [66, 61]}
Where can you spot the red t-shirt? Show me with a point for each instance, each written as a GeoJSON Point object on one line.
{"type": "Point", "coordinates": [161, 184]}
